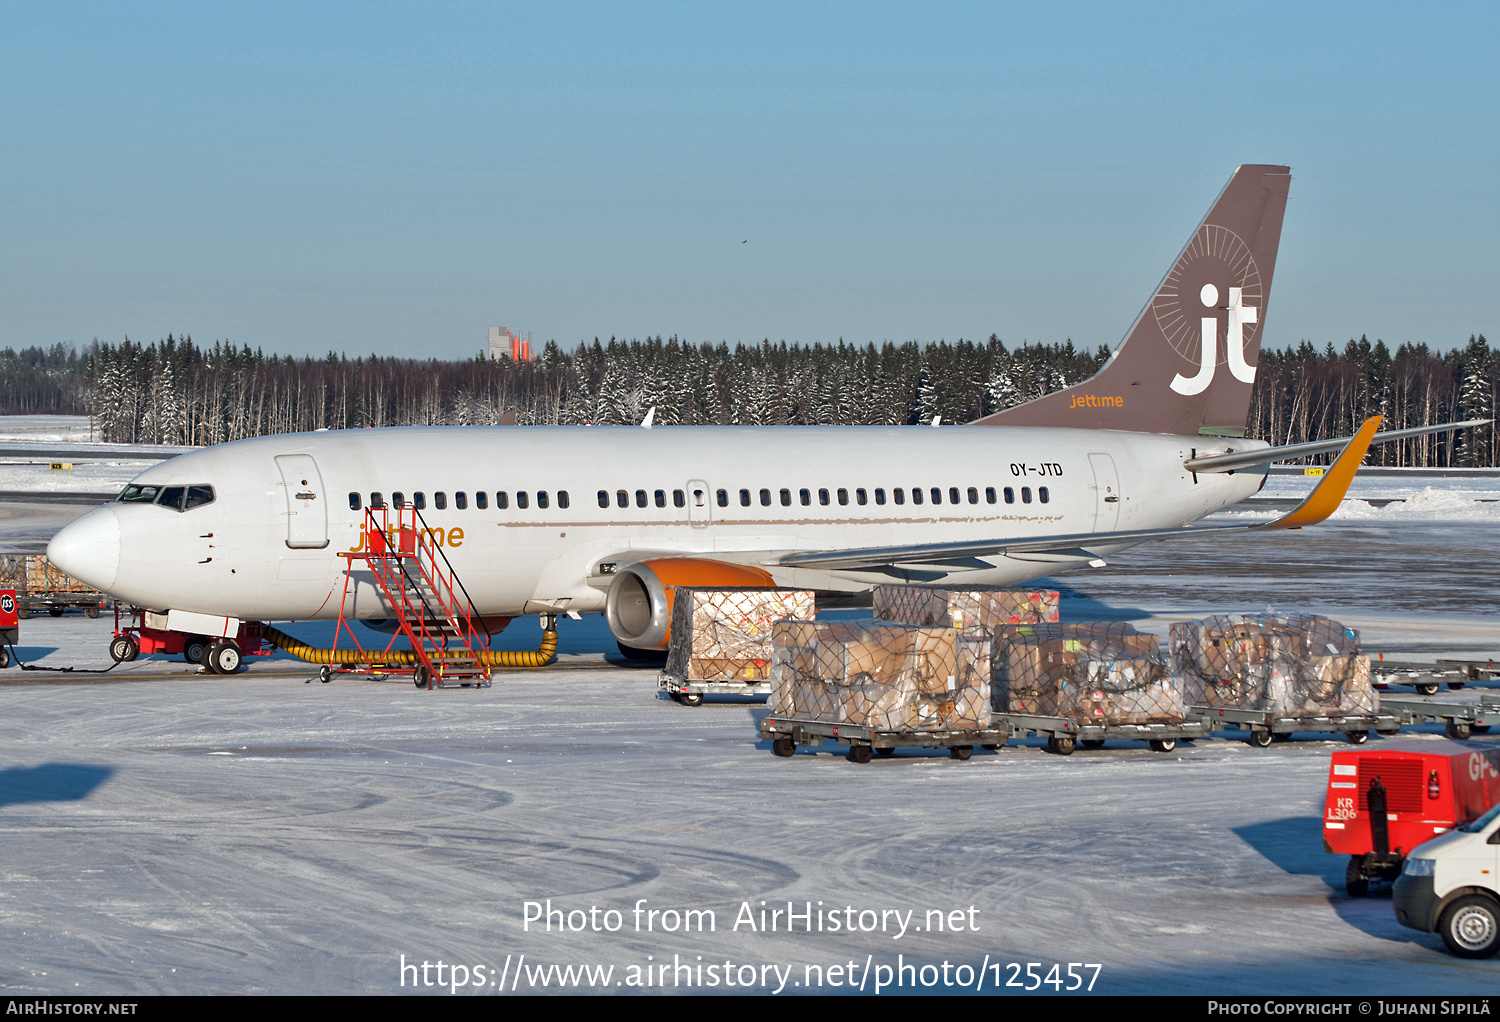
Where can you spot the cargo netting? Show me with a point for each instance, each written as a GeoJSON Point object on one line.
{"type": "Point", "coordinates": [34, 573]}
{"type": "Point", "coordinates": [725, 634]}
{"type": "Point", "coordinates": [973, 610]}
{"type": "Point", "coordinates": [1292, 665]}
{"type": "Point", "coordinates": [880, 674]}
{"type": "Point", "coordinates": [1095, 673]}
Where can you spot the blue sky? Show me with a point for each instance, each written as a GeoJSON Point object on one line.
{"type": "Point", "coordinates": [397, 178]}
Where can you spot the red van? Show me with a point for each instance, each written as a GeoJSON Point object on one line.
{"type": "Point", "coordinates": [1384, 802]}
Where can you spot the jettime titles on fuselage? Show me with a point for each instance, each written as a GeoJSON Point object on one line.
{"type": "Point", "coordinates": [432, 537]}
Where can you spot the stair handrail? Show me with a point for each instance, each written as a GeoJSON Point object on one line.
{"type": "Point", "coordinates": [453, 574]}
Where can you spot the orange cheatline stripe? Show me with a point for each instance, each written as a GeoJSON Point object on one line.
{"type": "Point", "coordinates": [1326, 497]}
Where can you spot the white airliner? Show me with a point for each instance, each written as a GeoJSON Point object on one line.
{"type": "Point", "coordinates": [553, 520]}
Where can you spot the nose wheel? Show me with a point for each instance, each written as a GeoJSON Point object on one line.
{"type": "Point", "coordinates": [222, 658]}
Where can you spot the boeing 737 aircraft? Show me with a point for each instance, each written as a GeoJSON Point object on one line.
{"type": "Point", "coordinates": [551, 520]}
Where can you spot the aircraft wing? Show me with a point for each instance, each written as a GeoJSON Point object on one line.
{"type": "Point", "coordinates": [1320, 503]}
{"type": "Point", "coordinates": [1235, 460]}
{"type": "Point", "coordinates": [43, 450]}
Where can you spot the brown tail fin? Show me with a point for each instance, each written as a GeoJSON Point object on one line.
{"type": "Point", "coordinates": [1188, 364]}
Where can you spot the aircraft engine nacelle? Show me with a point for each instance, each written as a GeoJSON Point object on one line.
{"type": "Point", "coordinates": [639, 606]}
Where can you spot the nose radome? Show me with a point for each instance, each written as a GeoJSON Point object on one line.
{"type": "Point", "coordinates": [89, 549]}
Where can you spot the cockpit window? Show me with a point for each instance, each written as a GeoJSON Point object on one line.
{"type": "Point", "coordinates": [133, 494]}
{"type": "Point", "coordinates": [171, 496]}
{"type": "Point", "coordinates": [197, 496]}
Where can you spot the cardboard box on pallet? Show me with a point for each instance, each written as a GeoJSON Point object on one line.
{"type": "Point", "coordinates": [882, 674]}
{"type": "Point", "coordinates": [1104, 673]}
{"type": "Point", "coordinates": [725, 634]}
{"type": "Point", "coordinates": [978, 608]}
{"type": "Point", "coordinates": [1292, 665]}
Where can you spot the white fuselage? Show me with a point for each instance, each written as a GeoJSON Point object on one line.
{"type": "Point", "coordinates": [264, 549]}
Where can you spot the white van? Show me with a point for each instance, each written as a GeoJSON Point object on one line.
{"type": "Point", "coordinates": [1451, 885]}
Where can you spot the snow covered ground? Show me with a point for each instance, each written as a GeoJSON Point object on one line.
{"type": "Point", "coordinates": [169, 832]}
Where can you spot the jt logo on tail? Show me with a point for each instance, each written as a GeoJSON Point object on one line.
{"type": "Point", "coordinates": [1239, 315]}
{"type": "Point", "coordinates": [1164, 377]}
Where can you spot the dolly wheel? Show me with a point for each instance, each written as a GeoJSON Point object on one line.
{"type": "Point", "coordinates": [1356, 737]}
{"type": "Point", "coordinates": [420, 677]}
{"type": "Point", "coordinates": [885, 750]}
{"type": "Point", "coordinates": [1061, 745]}
{"type": "Point", "coordinates": [783, 746]}
{"type": "Point", "coordinates": [4, 657]}
{"type": "Point", "coordinates": [1260, 737]}
{"type": "Point", "coordinates": [961, 752]}
{"type": "Point", "coordinates": [1426, 688]}
{"type": "Point", "coordinates": [325, 674]}
{"type": "Point", "coordinates": [859, 754]}
{"type": "Point", "coordinates": [1092, 743]}
{"type": "Point", "coordinates": [1163, 744]}
{"type": "Point", "coordinates": [1460, 729]}
{"type": "Point", "coordinates": [1454, 686]}
{"type": "Point", "coordinates": [691, 698]}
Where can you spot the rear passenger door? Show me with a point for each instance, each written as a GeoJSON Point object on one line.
{"type": "Point", "coordinates": [700, 503]}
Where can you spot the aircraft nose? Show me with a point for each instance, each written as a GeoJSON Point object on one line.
{"type": "Point", "coordinates": [89, 549]}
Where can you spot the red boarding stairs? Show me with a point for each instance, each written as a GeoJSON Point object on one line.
{"type": "Point", "coordinates": [429, 603]}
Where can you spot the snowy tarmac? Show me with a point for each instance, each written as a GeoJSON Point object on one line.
{"type": "Point", "coordinates": [177, 833]}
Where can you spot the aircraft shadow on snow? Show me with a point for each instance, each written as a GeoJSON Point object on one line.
{"type": "Point", "coordinates": [51, 782]}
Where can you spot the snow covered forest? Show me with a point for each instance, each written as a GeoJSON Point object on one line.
{"type": "Point", "coordinates": [176, 392]}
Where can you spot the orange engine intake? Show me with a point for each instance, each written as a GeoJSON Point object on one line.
{"type": "Point", "coordinates": [639, 606]}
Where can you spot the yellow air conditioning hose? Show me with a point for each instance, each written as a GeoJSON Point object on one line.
{"type": "Point", "coordinates": [540, 657]}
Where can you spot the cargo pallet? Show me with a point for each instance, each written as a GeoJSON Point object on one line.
{"type": "Point", "coordinates": [786, 734]}
{"type": "Point", "coordinates": [690, 692]}
{"type": "Point", "coordinates": [1426, 678]}
{"type": "Point", "coordinates": [1459, 720]}
{"type": "Point", "coordinates": [1064, 734]}
{"type": "Point", "coordinates": [1262, 727]}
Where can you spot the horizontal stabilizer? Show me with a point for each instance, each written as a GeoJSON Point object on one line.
{"type": "Point", "coordinates": [1233, 461]}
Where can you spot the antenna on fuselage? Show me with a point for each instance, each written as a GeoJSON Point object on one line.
{"type": "Point", "coordinates": [650, 418]}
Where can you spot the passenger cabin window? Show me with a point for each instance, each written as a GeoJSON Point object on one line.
{"type": "Point", "coordinates": [502, 499]}
{"type": "Point", "coordinates": [989, 494]}
{"type": "Point", "coordinates": [804, 496]}
{"type": "Point", "coordinates": [1025, 495]}
{"type": "Point", "coordinates": [461, 501]}
{"type": "Point", "coordinates": [541, 498]}
{"type": "Point", "coordinates": [640, 498]}
{"type": "Point", "coordinates": [765, 498]}
{"type": "Point", "coordinates": [860, 497]}
{"type": "Point", "coordinates": [139, 494]}
{"type": "Point", "coordinates": [377, 500]}
{"type": "Point", "coordinates": [562, 498]}
{"type": "Point", "coordinates": [398, 499]}
{"type": "Point", "coordinates": [679, 499]}
{"type": "Point", "coordinates": [953, 495]}
{"type": "Point", "coordinates": [604, 498]}
{"type": "Point", "coordinates": [197, 496]}
{"type": "Point", "coordinates": [1042, 495]}
{"type": "Point", "coordinates": [916, 495]}
{"type": "Point", "coordinates": [1010, 495]}
{"type": "Point", "coordinates": [419, 501]}
{"type": "Point", "coordinates": [823, 496]}
{"type": "Point", "coordinates": [661, 498]}
{"type": "Point", "coordinates": [786, 497]}
{"type": "Point", "coordinates": [521, 499]}
{"type": "Point", "coordinates": [937, 495]}
{"type": "Point", "coordinates": [440, 501]}
{"type": "Point", "coordinates": [879, 495]}
{"type": "Point", "coordinates": [354, 502]}
{"type": "Point", "coordinates": [722, 496]}
{"type": "Point", "coordinates": [481, 500]}
{"type": "Point", "coordinates": [843, 495]}
{"type": "Point", "coordinates": [744, 498]}
{"type": "Point", "coordinates": [622, 499]}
